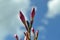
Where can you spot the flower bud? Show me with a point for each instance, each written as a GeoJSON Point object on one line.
{"type": "Point", "coordinates": [16, 36]}
{"type": "Point", "coordinates": [22, 17]}
{"type": "Point", "coordinates": [33, 13]}
{"type": "Point", "coordinates": [23, 20]}
{"type": "Point", "coordinates": [37, 33]}
{"type": "Point", "coordinates": [33, 30]}
{"type": "Point", "coordinates": [32, 16]}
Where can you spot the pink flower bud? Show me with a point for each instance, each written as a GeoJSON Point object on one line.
{"type": "Point", "coordinates": [33, 13]}
{"type": "Point", "coordinates": [32, 16]}
{"type": "Point", "coordinates": [22, 17]}
{"type": "Point", "coordinates": [16, 36]}
{"type": "Point", "coordinates": [23, 20]}
{"type": "Point", "coordinates": [33, 30]}
{"type": "Point", "coordinates": [37, 33]}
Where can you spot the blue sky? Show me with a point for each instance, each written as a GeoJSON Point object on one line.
{"type": "Point", "coordinates": [47, 18]}
{"type": "Point", "coordinates": [53, 26]}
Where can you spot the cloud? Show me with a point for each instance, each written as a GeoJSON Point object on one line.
{"type": "Point", "coordinates": [53, 8]}
{"type": "Point", "coordinates": [44, 21]}
{"type": "Point", "coordinates": [9, 21]}
{"type": "Point", "coordinates": [53, 11]}
{"type": "Point", "coordinates": [41, 28]}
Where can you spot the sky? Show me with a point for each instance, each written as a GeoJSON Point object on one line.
{"type": "Point", "coordinates": [47, 18]}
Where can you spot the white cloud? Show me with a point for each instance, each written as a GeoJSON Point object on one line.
{"type": "Point", "coordinates": [42, 32]}
{"type": "Point", "coordinates": [9, 22]}
{"type": "Point", "coordinates": [53, 8]}
{"type": "Point", "coordinates": [44, 21]}
{"type": "Point", "coordinates": [43, 37]}
{"type": "Point", "coordinates": [53, 11]}
{"type": "Point", "coordinates": [41, 29]}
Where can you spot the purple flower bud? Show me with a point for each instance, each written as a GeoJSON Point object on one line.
{"type": "Point", "coordinates": [23, 20]}
{"type": "Point", "coordinates": [16, 36]}
{"type": "Point", "coordinates": [37, 33]}
{"type": "Point", "coordinates": [33, 30]}
{"type": "Point", "coordinates": [32, 16]}
{"type": "Point", "coordinates": [22, 17]}
{"type": "Point", "coordinates": [33, 13]}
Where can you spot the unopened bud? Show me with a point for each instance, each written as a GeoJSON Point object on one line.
{"type": "Point", "coordinates": [32, 16]}
{"type": "Point", "coordinates": [33, 13]}
{"type": "Point", "coordinates": [23, 19]}
{"type": "Point", "coordinates": [16, 36]}
{"type": "Point", "coordinates": [37, 33]}
{"type": "Point", "coordinates": [32, 30]}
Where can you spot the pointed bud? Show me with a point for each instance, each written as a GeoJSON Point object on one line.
{"type": "Point", "coordinates": [32, 16]}
{"type": "Point", "coordinates": [23, 20]}
{"type": "Point", "coordinates": [16, 36]}
{"type": "Point", "coordinates": [33, 13]}
{"type": "Point", "coordinates": [37, 33]}
{"type": "Point", "coordinates": [33, 30]}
